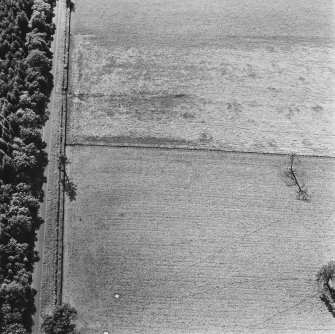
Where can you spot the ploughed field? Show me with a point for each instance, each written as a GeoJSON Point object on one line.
{"type": "Point", "coordinates": [211, 74]}
{"type": "Point", "coordinates": [196, 242]}
{"type": "Point", "coordinates": [166, 240]}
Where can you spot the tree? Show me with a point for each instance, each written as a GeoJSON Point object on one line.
{"type": "Point", "coordinates": [15, 329]}
{"type": "Point", "coordinates": [292, 179]}
{"type": "Point", "coordinates": [61, 321]}
{"type": "Point", "coordinates": [69, 187]}
{"type": "Point", "coordinates": [325, 279]}
{"type": "Point", "coordinates": [17, 302]}
{"type": "Point", "coordinates": [38, 59]}
{"type": "Point", "coordinates": [70, 4]}
{"type": "Point", "coordinates": [26, 30]}
{"type": "Point", "coordinates": [38, 40]}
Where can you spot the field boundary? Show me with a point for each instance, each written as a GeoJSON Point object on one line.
{"type": "Point", "coordinates": [52, 272]}
{"type": "Point", "coordinates": [61, 195]}
{"type": "Point", "coordinates": [194, 148]}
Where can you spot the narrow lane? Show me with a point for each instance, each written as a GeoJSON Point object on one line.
{"type": "Point", "coordinates": [47, 137]}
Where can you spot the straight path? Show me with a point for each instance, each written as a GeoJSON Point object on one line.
{"type": "Point", "coordinates": [47, 137]}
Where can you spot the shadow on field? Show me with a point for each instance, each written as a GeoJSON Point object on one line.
{"type": "Point", "coordinates": [329, 305]}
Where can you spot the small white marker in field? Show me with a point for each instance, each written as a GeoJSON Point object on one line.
{"type": "Point", "coordinates": [106, 333]}
{"type": "Point", "coordinates": [117, 296]}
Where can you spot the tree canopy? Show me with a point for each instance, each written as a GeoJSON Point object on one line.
{"type": "Point", "coordinates": [26, 32]}
{"type": "Point", "coordinates": [61, 321]}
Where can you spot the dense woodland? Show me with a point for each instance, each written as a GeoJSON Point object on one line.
{"type": "Point", "coordinates": [26, 33]}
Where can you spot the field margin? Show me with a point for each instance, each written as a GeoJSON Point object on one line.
{"type": "Point", "coordinates": [52, 268]}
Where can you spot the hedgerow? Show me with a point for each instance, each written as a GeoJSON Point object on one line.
{"type": "Point", "coordinates": [26, 33]}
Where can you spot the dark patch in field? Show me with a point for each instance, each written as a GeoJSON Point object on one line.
{"type": "Point", "coordinates": [292, 111]}
{"type": "Point", "coordinates": [147, 106]}
{"type": "Point", "coordinates": [273, 89]}
{"type": "Point", "coordinates": [270, 48]}
{"type": "Point", "coordinates": [234, 108]}
{"type": "Point", "coordinates": [254, 104]}
{"type": "Point", "coordinates": [317, 108]}
{"type": "Point", "coordinates": [272, 143]}
{"type": "Point", "coordinates": [139, 141]}
{"type": "Point", "coordinates": [307, 142]}
{"type": "Point", "coordinates": [251, 71]}
{"type": "Point", "coordinates": [188, 115]}
{"type": "Point", "coordinates": [80, 64]}
{"type": "Point", "coordinates": [143, 106]}
{"type": "Point", "coordinates": [205, 137]}
{"type": "Point", "coordinates": [179, 95]}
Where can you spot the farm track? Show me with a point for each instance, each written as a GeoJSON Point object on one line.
{"type": "Point", "coordinates": [49, 132]}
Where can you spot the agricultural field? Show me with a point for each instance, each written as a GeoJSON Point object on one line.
{"type": "Point", "coordinates": [191, 74]}
{"type": "Point", "coordinates": [177, 227]}
{"type": "Point", "coordinates": [196, 242]}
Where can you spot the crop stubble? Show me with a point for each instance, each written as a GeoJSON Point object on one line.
{"type": "Point", "coordinates": [168, 74]}
{"type": "Point", "coordinates": [194, 241]}
{"type": "Point", "coordinates": [197, 241]}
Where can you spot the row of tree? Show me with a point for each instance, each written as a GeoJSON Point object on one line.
{"type": "Point", "coordinates": [26, 31]}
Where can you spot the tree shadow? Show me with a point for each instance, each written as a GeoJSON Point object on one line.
{"type": "Point", "coordinates": [324, 279]}
{"type": "Point", "coordinates": [292, 176]}
{"type": "Point", "coordinates": [330, 306]}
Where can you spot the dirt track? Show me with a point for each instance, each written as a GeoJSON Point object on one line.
{"type": "Point", "coordinates": [48, 133]}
